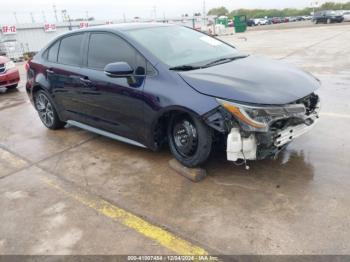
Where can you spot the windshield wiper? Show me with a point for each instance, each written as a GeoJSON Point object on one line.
{"type": "Point", "coordinates": [224, 60]}
{"type": "Point", "coordinates": [184, 68]}
{"type": "Point", "coordinates": [218, 61]}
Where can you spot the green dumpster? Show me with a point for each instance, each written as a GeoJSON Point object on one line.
{"type": "Point", "coordinates": [222, 20]}
{"type": "Point", "coordinates": [240, 23]}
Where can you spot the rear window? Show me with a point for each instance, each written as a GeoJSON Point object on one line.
{"type": "Point", "coordinates": [331, 13]}
{"type": "Point", "coordinates": [70, 50]}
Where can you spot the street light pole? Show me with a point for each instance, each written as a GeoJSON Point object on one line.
{"type": "Point", "coordinates": [15, 15]}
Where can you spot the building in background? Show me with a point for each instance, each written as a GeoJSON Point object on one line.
{"type": "Point", "coordinates": [32, 37]}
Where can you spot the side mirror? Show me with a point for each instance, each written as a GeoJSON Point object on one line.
{"type": "Point", "coordinates": [118, 69]}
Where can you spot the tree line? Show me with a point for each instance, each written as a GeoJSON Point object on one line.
{"type": "Point", "coordinates": [255, 13]}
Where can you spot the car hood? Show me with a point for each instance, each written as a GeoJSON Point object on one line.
{"type": "Point", "coordinates": [254, 80]}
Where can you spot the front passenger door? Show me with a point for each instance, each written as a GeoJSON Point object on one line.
{"type": "Point", "coordinates": [113, 104]}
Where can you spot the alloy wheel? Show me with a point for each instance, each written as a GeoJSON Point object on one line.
{"type": "Point", "coordinates": [45, 109]}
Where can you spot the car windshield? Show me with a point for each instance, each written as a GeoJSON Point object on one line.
{"type": "Point", "coordinates": [178, 45]}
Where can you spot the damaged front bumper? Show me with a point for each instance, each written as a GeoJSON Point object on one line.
{"type": "Point", "coordinates": [257, 146]}
{"type": "Point", "coordinates": [258, 132]}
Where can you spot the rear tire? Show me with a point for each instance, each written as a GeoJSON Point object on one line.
{"type": "Point", "coordinates": [190, 140]}
{"type": "Point", "coordinates": [47, 111]}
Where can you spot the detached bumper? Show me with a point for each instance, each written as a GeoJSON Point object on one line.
{"type": "Point", "coordinates": [290, 133]}
{"type": "Point", "coordinates": [254, 146]}
{"type": "Point", "coordinates": [9, 78]}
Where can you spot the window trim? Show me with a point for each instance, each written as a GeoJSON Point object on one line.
{"type": "Point", "coordinates": [82, 46]}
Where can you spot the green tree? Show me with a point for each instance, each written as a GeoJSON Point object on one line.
{"type": "Point", "coordinates": [335, 6]}
{"type": "Point", "coordinates": [218, 11]}
{"type": "Point", "coordinates": [259, 13]}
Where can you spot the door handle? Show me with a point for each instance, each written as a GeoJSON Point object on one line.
{"type": "Point", "coordinates": [50, 71]}
{"type": "Point", "coordinates": [85, 80]}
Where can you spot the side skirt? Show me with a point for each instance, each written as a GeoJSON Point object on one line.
{"type": "Point", "coordinates": [105, 133]}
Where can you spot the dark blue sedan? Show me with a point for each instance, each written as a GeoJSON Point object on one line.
{"type": "Point", "coordinates": [153, 84]}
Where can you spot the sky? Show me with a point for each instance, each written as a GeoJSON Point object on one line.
{"type": "Point", "coordinates": [115, 9]}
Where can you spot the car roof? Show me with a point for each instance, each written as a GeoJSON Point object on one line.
{"type": "Point", "coordinates": [125, 27]}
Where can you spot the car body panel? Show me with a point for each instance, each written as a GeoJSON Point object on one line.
{"type": "Point", "coordinates": [8, 77]}
{"type": "Point", "coordinates": [253, 80]}
{"type": "Point", "coordinates": [346, 16]}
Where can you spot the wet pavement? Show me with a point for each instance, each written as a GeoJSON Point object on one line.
{"type": "Point", "coordinates": [298, 204]}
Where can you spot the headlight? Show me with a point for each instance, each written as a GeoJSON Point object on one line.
{"type": "Point", "coordinates": [9, 65]}
{"type": "Point", "coordinates": [256, 118]}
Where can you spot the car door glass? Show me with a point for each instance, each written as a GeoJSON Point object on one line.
{"type": "Point", "coordinates": [70, 50]}
{"type": "Point", "coordinates": [53, 52]}
{"type": "Point", "coordinates": [107, 48]}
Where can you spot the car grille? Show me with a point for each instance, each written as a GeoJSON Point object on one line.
{"type": "Point", "coordinates": [2, 68]}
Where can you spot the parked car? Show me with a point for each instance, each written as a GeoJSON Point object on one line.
{"type": "Point", "coordinates": [346, 16]}
{"type": "Point", "coordinates": [261, 21]}
{"type": "Point", "coordinates": [151, 84]}
{"type": "Point", "coordinates": [9, 75]}
{"type": "Point", "coordinates": [327, 17]}
{"type": "Point", "coordinates": [276, 20]}
{"type": "Point", "coordinates": [307, 17]}
{"type": "Point", "coordinates": [251, 22]}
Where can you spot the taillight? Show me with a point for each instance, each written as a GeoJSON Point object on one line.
{"type": "Point", "coordinates": [26, 66]}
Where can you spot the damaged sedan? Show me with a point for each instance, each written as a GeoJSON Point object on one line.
{"type": "Point", "coordinates": [155, 84]}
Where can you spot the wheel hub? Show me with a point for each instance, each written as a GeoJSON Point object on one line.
{"type": "Point", "coordinates": [185, 138]}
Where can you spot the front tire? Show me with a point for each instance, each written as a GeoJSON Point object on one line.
{"type": "Point", "coordinates": [190, 140]}
{"type": "Point", "coordinates": [47, 111]}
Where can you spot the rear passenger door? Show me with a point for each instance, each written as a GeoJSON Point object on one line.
{"type": "Point", "coordinates": [113, 104]}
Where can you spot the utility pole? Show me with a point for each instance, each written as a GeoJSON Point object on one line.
{"type": "Point", "coordinates": [204, 9]}
{"type": "Point", "coordinates": [70, 23]}
{"type": "Point", "coordinates": [314, 5]}
{"type": "Point", "coordinates": [15, 15]}
{"type": "Point", "coordinates": [55, 12]}
{"type": "Point", "coordinates": [204, 15]}
{"type": "Point", "coordinates": [44, 17]}
{"type": "Point", "coordinates": [32, 17]}
{"type": "Point", "coordinates": [64, 15]}
{"type": "Point", "coordinates": [154, 9]}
